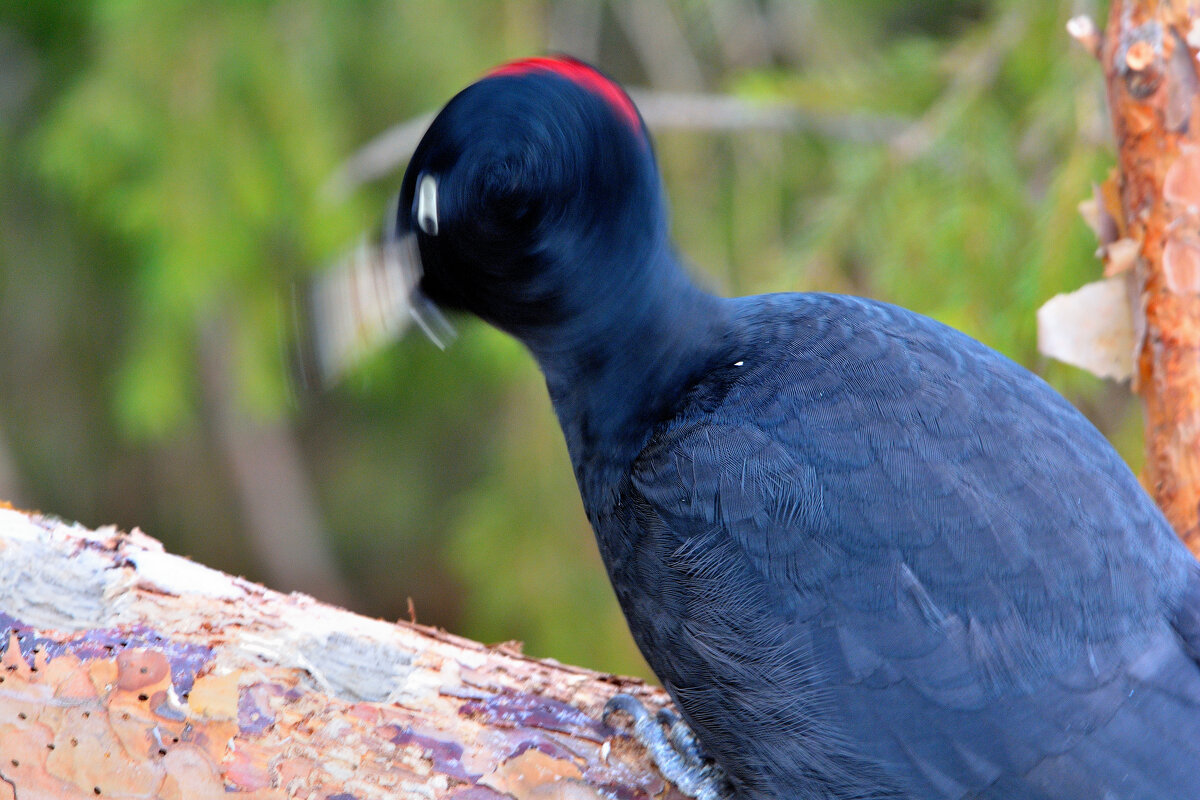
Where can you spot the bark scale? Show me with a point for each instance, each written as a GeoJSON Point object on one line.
{"type": "Point", "coordinates": [129, 672]}
{"type": "Point", "coordinates": [1149, 56]}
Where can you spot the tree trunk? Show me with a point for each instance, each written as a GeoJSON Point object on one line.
{"type": "Point", "coordinates": [130, 672]}
{"type": "Point", "coordinates": [1149, 57]}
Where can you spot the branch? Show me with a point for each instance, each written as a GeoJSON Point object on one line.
{"type": "Point", "coordinates": [662, 110]}
{"type": "Point", "coordinates": [1143, 321]}
{"type": "Point", "coordinates": [1149, 60]}
{"type": "Point", "coordinates": [127, 671]}
{"type": "Point", "coordinates": [283, 525]}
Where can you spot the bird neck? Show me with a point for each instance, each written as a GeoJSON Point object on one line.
{"type": "Point", "coordinates": [626, 363]}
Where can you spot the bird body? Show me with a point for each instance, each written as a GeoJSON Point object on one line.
{"type": "Point", "coordinates": [867, 556]}
{"type": "Point", "coordinates": [876, 559]}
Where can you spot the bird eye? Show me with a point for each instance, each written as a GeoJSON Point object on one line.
{"type": "Point", "coordinates": [427, 217]}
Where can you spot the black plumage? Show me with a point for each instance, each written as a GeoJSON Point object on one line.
{"type": "Point", "coordinates": [867, 556]}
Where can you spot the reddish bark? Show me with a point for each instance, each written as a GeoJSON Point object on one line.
{"type": "Point", "coordinates": [1149, 59]}
{"type": "Point", "coordinates": [128, 672]}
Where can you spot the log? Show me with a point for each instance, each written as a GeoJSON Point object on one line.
{"type": "Point", "coordinates": [126, 671]}
{"type": "Point", "coordinates": [1149, 57]}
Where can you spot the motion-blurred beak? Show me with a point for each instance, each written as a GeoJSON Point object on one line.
{"type": "Point", "coordinates": [362, 304]}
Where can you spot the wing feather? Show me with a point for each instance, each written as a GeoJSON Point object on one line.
{"type": "Point", "coordinates": [906, 565]}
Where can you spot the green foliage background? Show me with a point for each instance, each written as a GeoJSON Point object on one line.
{"type": "Point", "coordinates": [162, 174]}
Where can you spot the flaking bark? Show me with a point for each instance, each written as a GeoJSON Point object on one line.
{"type": "Point", "coordinates": [1149, 55]}
{"type": "Point", "coordinates": [129, 672]}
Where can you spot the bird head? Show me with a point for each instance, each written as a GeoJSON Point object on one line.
{"type": "Point", "coordinates": [533, 196]}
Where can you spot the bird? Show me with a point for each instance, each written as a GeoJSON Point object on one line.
{"type": "Point", "coordinates": [866, 555]}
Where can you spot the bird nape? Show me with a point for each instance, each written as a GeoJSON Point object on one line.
{"type": "Point", "coordinates": [867, 556]}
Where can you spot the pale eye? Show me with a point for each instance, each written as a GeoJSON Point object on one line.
{"type": "Point", "coordinates": [427, 217]}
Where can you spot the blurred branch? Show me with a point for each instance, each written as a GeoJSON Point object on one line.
{"type": "Point", "coordinates": [789, 22]}
{"type": "Point", "coordinates": [743, 32]}
{"type": "Point", "coordinates": [376, 158]}
{"type": "Point", "coordinates": [975, 67]}
{"type": "Point", "coordinates": [975, 70]}
{"type": "Point", "coordinates": [265, 463]}
{"type": "Point", "coordinates": [661, 44]}
{"type": "Point", "coordinates": [691, 111]}
{"type": "Point", "coordinates": [10, 482]}
{"type": "Point", "coordinates": [724, 113]}
{"type": "Point", "coordinates": [575, 27]}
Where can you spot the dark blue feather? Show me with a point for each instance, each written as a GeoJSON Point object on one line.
{"type": "Point", "coordinates": [867, 556]}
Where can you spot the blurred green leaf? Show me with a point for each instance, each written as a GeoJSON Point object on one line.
{"type": "Point", "coordinates": [162, 168]}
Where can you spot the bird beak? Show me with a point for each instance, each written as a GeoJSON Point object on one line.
{"type": "Point", "coordinates": [361, 304]}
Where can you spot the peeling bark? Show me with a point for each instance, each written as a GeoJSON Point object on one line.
{"type": "Point", "coordinates": [1149, 55]}
{"type": "Point", "coordinates": [129, 672]}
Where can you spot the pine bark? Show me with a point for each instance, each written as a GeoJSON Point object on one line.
{"type": "Point", "coordinates": [1149, 56]}
{"type": "Point", "coordinates": [129, 672]}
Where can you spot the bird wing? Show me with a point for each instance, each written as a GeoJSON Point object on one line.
{"type": "Point", "coordinates": [914, 554]}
